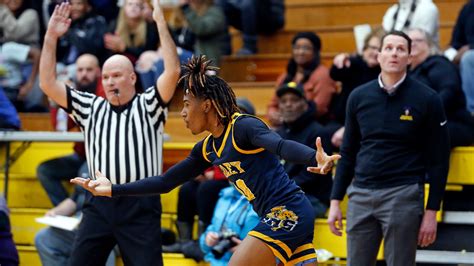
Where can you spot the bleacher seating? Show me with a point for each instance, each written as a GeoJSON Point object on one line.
{"type": "Point", "coordinates": [259, 67]}
{"type": "Point", "coordinates": [334, 39]}
{"type": "Point", "coordinates": [301, 14]}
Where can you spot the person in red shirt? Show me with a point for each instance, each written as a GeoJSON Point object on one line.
{"type": "Point", "coordinates": [305, 68]}
{"type": "Point", "coordinates": [52, 172]}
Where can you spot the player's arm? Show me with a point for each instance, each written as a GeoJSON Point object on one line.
{"type": "Point", "coordinates": [184, 171]}
{"type": "Point", "coordinates": [254, 131]}
{"type": "Point", "coordinates": [166, 83]}
{"type": "Point", "coordinates": [57, 27]}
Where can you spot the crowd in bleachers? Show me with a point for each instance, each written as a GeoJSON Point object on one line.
{"type": "Point", "coordinates": [315, 106]}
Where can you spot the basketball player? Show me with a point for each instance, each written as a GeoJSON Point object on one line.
{"type": "Point", "coordinates": [245, 150]}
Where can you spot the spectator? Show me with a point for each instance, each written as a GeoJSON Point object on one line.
{"type": "Point", "coordinates": [19, 45]}
{"type": "Point", "coordinates": [253, 17]}
{"type": "Point", "coordinates": [21, 63]}
{"type": "Point", "coordinates": [207, 22]}
{"type": "Point", "coordinates": [352, 71]}
{"type": "Point", "coordinates": [245, 106]}
{"type": "Point", "coordinates": [305, 68]}
{"type": "Point", "coordinates": [108, 9]}
{"type": "Point", "coordinates": [461, 51]}
{"type": "Point", "coordinates": [85, 36]}
{"type": "Point", "coordinates": [179, 28]}
{"type": "Point", "coordinates": [150, 64]}
{"type": "Point", "coordinates": [196, 197]}
{"type": "Point", "coordinates": [395, 136]}
{"type": "Point", "coordinates": [131, 33]}
{"type": "Point", "coordinates": [54, 245]}
{"type": "Point", "coordinates": [52, 172]}
{"type": "Point", "coordinates": [29, 31]}
{"type": "Point", "coordinates": [9, 119]}
{"type": "Point", "coordinates": [9, 254]}
{"type": "Point", "coordinates": [234, 216]}
{"type": "Point", "coordinates": [299, 125]}
{"type": "Point", "coordinates": [408, 14]}
{"type": "Point", "coordinates": [122, 134]}
{"type": "Point", "coordinates": [440, 74]}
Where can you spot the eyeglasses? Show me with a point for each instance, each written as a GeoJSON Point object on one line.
{"type": "Point", "coordinates": [372, 47]}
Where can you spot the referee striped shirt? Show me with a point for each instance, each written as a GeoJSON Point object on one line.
{"type": "Point", "coordinates": [124, 143]}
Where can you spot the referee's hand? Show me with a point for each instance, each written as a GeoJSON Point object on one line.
{"type": "Point", "coordinates": [99, 187]}
{"type": "Point", "coordinates": [325, 162]}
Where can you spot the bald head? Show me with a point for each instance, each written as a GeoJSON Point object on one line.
{"type": "Point", "coordinates": [88, 59]}
{"type": "Point", "coordinates": [87, 72]}
{"type": "Point", "coordinates": [119, 62]}
{"type": "Point", "coordinates": [118, 79]}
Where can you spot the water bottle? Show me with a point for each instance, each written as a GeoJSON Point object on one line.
{"type": "Point", "coordinates": [61, 120]}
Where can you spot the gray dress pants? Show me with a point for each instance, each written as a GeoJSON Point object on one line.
{"type": "Point", "coordinates": [392, 214]}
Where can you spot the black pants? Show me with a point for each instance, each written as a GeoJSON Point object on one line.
{"type": "Point", "coordinates": [199, 198]}
{"type": "Point", "coordinates": [134, 223]}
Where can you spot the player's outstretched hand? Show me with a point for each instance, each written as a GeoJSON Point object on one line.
{"type": "Point", "coordinates": [325, 162]}
{"type": "Point", "coordinates": [99, 187]}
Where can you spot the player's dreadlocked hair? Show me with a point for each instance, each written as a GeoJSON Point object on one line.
{"type": "Point", "coordinates": [198, 79]}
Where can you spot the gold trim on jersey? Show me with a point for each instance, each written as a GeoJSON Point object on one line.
{"type": "Point", "coordinates": [282, 245]}
{"type": "Point", "coordinates": [277, 254]}
{"type": "Point", "coordinates": [224, 140]}
{"type": "Point", "coordinates": [234, 118]}
{"type": "Point", "coordinates": [204, 146]}
{"type": "Point", "coordinates": [303, 258]}
{"type": "Point", "coordinates": [285, 248]}
{"type": "Point", "coordinates": [303, 248]}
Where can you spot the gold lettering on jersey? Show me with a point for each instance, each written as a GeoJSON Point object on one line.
{"type": "Point", "coordinates": [231, 168]}
{"type": "Point", "coordinates": [224, 170]}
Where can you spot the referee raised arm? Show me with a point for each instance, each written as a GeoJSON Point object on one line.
{"type": "Point", "coordinates": [123, 138]}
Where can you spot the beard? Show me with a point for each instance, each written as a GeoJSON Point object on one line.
{"type": "Point", "coordinates": [89, 87]}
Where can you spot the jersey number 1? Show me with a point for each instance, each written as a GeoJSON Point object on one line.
{"type": "Point", "coordinates": [242, 187]}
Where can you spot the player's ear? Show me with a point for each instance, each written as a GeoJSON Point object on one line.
{"type": "Point", "coordinates": [206, 105]}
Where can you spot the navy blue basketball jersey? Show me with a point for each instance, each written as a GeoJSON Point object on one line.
{"type": "Point", "coordinates": [257, 174]}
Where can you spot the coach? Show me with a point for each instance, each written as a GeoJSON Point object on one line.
{"type": "Point", "coordinates": [396, 139]}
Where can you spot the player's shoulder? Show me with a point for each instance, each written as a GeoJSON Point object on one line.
{"type": "Point", "coordinates": [246, 120]}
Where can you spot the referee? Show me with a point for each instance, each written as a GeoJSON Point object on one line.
{"type": "Point", "coordinates": [123, 136]}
